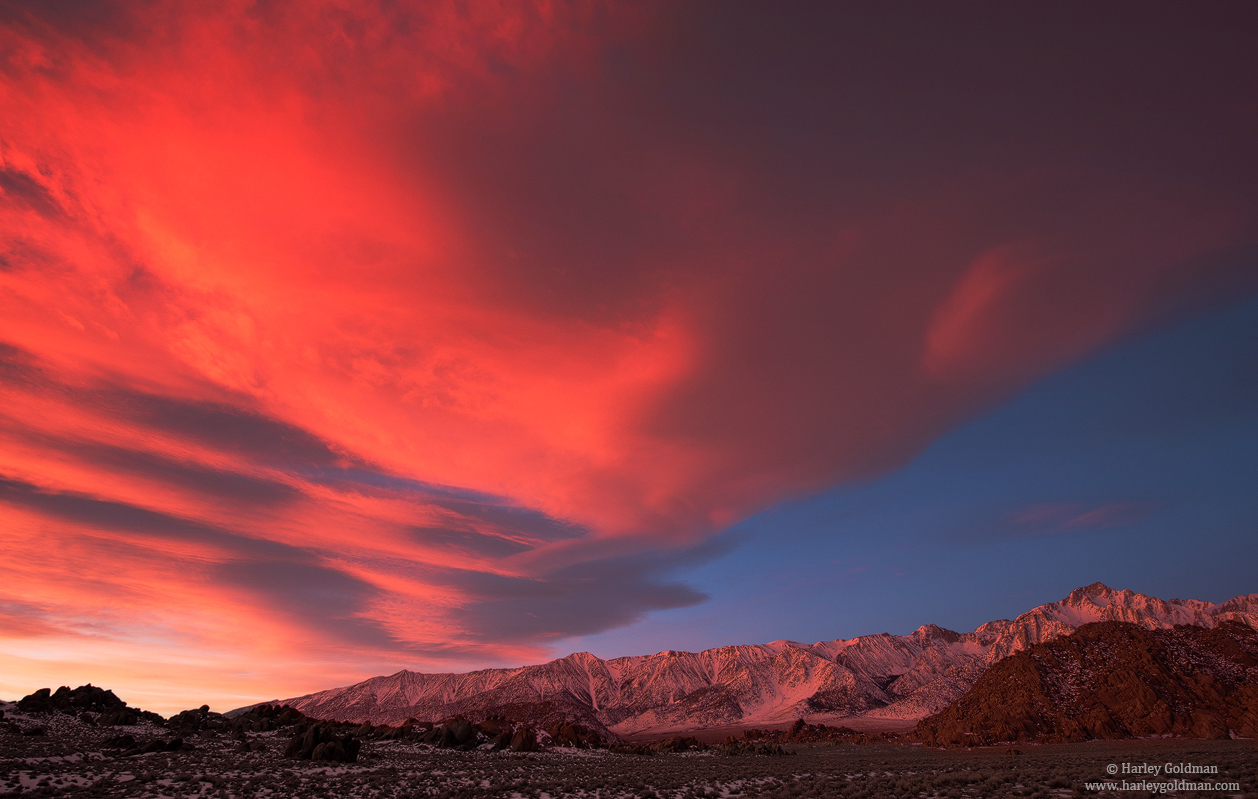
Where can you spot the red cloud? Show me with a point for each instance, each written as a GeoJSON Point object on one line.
{"type": "Point", "coordinates": [447, 307]}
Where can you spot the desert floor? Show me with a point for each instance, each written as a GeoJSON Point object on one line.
{"type": "Point", "coordinates": [72, 758]}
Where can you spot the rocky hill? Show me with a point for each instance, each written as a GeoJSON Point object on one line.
{"type": "Point", "coordinates": [881, 676]}
{"type": "Point", "coordinates": [1112, 680]}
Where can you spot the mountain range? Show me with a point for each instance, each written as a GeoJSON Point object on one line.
{"type": "Point", "coordinates": [891, 678]}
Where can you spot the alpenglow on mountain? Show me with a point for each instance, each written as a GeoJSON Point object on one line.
{"type": "Point", "coordinates": [883, 676]}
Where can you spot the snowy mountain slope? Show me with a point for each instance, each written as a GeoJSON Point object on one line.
{"type": "Point", "coordinates": [882, 676]}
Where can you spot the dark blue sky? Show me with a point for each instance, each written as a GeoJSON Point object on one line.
{"type": "Point", "coordinates": [1137, 467]}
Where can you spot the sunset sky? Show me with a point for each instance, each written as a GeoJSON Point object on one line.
{"type": "Point", "coordinates": [338, 338]}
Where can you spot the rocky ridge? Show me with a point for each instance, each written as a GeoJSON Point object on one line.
{"type": "Point", "coordinates": [1112, 680]}
{"type": "Point", "coordinates": [878, 676]}
{"type": "Point", "coordinates": [94, 711]}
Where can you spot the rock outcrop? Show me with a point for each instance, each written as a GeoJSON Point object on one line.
{"type": "Point", "coordinates": [1112, 680]}
{"type": "Point", "coordinates": [91, 704]}
{"type": "Point", "coordinates": [322, 742]}
{"type": "Point", "coordinates": [85, 698]}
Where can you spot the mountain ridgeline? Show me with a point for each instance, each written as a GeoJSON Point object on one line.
{"type": "Point", "coordinates": [892, 678]}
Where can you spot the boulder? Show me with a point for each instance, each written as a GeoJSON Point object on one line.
{"type": "Point", "coordinates": [393, 733]}
{"type": "Point", "coordinates": [118, 718]}
{"type": "Point", "coordinates": [524, 740]}
{"type": "Point", "coordinates": [334, 751]}
{"type": "Point", "coordinates": [501, 741]}
{"type": "Point", "coordinates": [678, 744]}
{"type": "Point", "coordinates": [461, 730]}
{"type": "Point", "coordinates": [495, 725]}
{"type": "Point", "coordinates": [320, 742]}
{"type": "Point", "coordinates": [38, 702]}
{"type": "Point", "coordinates": [569, 734]}
{"type": "Point", "coordinates": [195, 720]}
{"type": "Point", "coordinates": [444, 737]}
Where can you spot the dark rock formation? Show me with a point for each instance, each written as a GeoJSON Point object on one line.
{"type": "Point", "coordinates": [524, 740]}
{"type": "Point", "coordinates": [205, 723]}
{"type": "Point", "coordinates": [193, 720]}
{"type": "Point", "coordinates": [460, 731]}
{"type": "Point", "coordinates": [578, 735]}
{"type": "Point", "coordinates": [501, 741]}
{"type": "Point", "coordinates": [321, 742]}
{"type": "Point", "coordinates": [679, 744]}
{"type": "Point", "coordinates": [452, 734]}
{"type": "Point", "coordinates": [265, 718]}
{"type": "Point", "coordinates": [1112, 680]}
{"type": "Point", "coordinates": [801, 732]}
{"type": "Point", "coordinates": [72, 701]}
{"type": "Point", "coordinates": [496, 725]}
{"type": "Point", "coordinates": [86, 700]}
{"type": "Point", "coordinates": [118, 718]}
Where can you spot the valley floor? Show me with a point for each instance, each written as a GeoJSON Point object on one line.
{"type": "Point", "coordinates": [73, 760]}
{"type": "Point", "coordinates": [712, 735]}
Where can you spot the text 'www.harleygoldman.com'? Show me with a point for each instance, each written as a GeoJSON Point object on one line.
{"type": "Point", "coordinates": [1175, 777]}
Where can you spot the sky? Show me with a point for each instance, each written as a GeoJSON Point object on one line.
{"type": "Point", "coordinates": [341, 338]}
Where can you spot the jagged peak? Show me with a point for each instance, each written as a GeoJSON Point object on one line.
{"type": "Point", "coordinates": [1242, 603]}
{"type": "Point", "coordinates": [931, 632]}
{"type": "Point", "coordinates": [582, 657]}
{"type": "Point", "coordinates": [1097, 589]}
{"type": "Point", "coordinates": [993, 625]}
{"type": "Point", "coordinates": [782, 644]}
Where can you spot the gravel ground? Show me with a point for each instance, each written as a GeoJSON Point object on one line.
{"type": "Point", "coordinates": [75, 758]}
